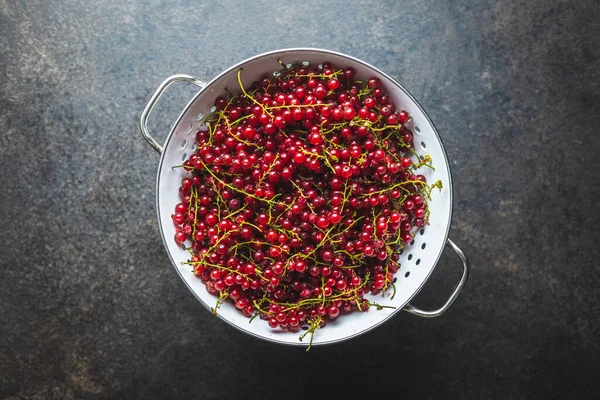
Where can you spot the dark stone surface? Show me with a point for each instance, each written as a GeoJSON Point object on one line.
{"type": "Point", "coordinates": [91, 308]}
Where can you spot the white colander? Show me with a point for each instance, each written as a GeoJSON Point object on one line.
{"type": "Point", "coordinates": [417, 261]}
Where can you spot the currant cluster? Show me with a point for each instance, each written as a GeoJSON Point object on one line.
{"type": "Point", "coordinates": [300, 196]}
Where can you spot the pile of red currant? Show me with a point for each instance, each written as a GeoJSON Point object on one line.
{"type": "Point", "coordinates": [301, 194]}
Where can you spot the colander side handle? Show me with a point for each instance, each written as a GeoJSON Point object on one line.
{"type": "Point", "coordinates": [436, 313]}
{"type": "Point", "coordinates": [148, 109]}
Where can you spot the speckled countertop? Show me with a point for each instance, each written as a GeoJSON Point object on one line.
{"type": "Point", "coordinates": [91, 308]}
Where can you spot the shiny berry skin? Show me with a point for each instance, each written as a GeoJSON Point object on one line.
{"type": "Point", "coordinates": [320, 92]}
{"type": "Point", "coordinates": [403, 117]}
{"type": "Point", "coordinates": [373, 83]}
{"type": "Point", "coordinates": [333, 311]}
{"type": "Point", "coordinates": [315, 139]}
{"type": "Point", "coordinates": [349, 113]}
{"type": "Point", "coordinates": [340, 284]}
{"type": "Point", "coordinates": [180, 237]}
{"type": "Point", "coordinates": [178, 218]}
{"type": "Point", "coordinates": [333, 84]}
{"type": "Point", "coordinates": [301, 193]}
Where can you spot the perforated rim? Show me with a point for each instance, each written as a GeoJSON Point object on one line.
{"type": "Point", "coordinates": [374, 69]}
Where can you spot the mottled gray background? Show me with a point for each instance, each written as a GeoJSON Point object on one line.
{"type": "Point", "coordinates": [89, 304]}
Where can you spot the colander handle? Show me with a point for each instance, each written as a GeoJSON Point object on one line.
{"type": "Point", "coordinates": [148, 109]}
{"type": "Point", "coordinates": [436, 313]}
